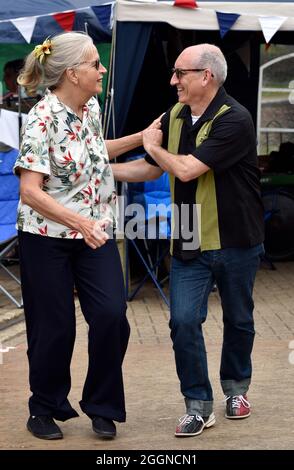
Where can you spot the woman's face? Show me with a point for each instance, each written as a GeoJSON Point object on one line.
{"type": "Point", "coordinates": [90, 73]}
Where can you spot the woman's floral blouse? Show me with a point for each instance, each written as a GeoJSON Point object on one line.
{"type": "Point", "coordinates": [73, 158]}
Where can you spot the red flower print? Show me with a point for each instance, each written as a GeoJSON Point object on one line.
{"type": "Point", "coordinates": [88, 191]}
{"type": "Point", "coordinates": [73, 233]}
{"type": "Point", "coordinates": [43, 231]}
{"type": "Point", "coordinates": [43, 125]}
{"type": "Point", "coordinates": [68, 158]}
{"type": "Point", "coordinates": [71, 135]}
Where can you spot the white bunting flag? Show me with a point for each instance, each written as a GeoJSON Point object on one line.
{"type": "Point", "coordinates": [25, 26]}
{"type": "Point", "coordinates": [270, 25]}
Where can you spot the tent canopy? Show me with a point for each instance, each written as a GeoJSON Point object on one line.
{"type": "Point", "coordinates": [204, 17]}
{"type": "Point", "coordinates": [154, 33]}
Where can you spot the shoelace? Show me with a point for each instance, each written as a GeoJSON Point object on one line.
{"type": "Point", "coordinates": [187, 419]}
{"type": "Point", "coordinates": [237, 400]}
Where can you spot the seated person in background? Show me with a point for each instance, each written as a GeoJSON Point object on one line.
{"type": "Point", "coordinates": [282, 161]}
{"type": "Point", "coordinates": [10, 72]}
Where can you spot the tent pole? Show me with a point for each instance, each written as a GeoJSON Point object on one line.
{"type": "Point", "coordinates": [109, 99]}
{"type": "Point", "coordinates": [19, 114]}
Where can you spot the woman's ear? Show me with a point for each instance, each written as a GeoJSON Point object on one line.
{"type": "Point", "coordinates": [71, 75]}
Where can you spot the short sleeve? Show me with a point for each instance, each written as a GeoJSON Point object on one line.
{"type": "Point", "coordinates": [231, 138]}
{"type": "Point", "coordinates": [34, 149]}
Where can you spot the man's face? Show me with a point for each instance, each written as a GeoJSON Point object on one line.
{"type": "Point", "coordinates": [188, 79]}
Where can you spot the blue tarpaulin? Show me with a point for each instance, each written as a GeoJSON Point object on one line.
{"type": "Point", "coordinates": [95, 22]}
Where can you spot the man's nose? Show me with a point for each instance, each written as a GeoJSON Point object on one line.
{"type": "Point", "coordinates": [174, 80]}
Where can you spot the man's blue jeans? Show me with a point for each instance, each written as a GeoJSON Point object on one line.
{"type": "Point", "coordinates": [234, 270]}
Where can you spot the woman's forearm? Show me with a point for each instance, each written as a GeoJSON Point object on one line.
{"type": "Point", "coordinates": [45, 205]}
{"type": "Point", "coordinates": [136, 170]}
{"type": "Point", "coordinates": [122, 145]}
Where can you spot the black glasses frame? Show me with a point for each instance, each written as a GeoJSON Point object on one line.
{"type": "Point", "coordinates": [95, 63]}
{"type": "Point", "coordinates": [181, 72]}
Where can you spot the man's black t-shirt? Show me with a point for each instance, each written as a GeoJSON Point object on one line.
{"type": "Point", "coordinates": [230, 151]}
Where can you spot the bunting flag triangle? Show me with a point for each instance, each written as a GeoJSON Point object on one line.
{"type": "Point", "coordinates": [270, 25]}
{"type": "Point", "coordinates": [25, 26]}
{"type": "Point", "coordinates": [103, 14]}
{"type": "Point", "coordinates": [226, 21]}
{"type": "Point", "coordinates": [185, 3]}
{"type": "Point", "coordinates": [65, 20]}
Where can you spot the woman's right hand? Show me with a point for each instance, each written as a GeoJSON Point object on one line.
{"type": "Point", "coordinates": [93, 232]}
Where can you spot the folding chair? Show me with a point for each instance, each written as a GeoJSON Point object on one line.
{"type": "Point", "coordinates": [153, 222]}
{"type": "Point", "coordinates": [9, 196]}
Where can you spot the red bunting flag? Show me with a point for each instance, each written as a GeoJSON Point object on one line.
{"type": "Point", "coordinates": [185, 3]}
{"type": "Point", "coordinates": [65, 20]}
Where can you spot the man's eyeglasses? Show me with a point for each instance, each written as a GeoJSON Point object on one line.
{"type": "Point", "coordinates": [95, 63]}
{"type": "Point", "coordinates": [181, 72]}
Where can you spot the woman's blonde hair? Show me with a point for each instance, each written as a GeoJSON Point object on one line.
{"type": "Point", "coordinates": [66, 50]}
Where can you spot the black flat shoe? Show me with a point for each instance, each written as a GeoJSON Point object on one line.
{"type": "Point", "coordinates": [44, 427]}
{"type": "Point", "coordinates": [104, 427]}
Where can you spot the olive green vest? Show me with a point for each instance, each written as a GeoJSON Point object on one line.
{"type": "Point", "coordinates": [205, 192]}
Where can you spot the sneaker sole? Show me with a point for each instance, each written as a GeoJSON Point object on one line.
{"type": "Point", "coordinates": [209, 424]}
{"type": "Point", "coordinates": [237, 417]}
{"type": "Point", "coordinates": [50, 437]}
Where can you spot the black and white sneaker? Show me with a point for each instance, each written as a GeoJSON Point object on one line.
{"type": "Point", "coordinates": [192, 425]}
{"type": "Point", "coordinates": [44, 427]}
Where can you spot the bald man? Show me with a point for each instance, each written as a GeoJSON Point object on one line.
{"type": "Point", "coordinates": [207, 144]}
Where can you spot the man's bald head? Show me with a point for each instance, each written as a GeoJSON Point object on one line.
{"type": "Point", "coordinates": [204, 56]}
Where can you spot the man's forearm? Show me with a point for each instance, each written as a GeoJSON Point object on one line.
{"type": "Point", "coordinates": [184, 167]}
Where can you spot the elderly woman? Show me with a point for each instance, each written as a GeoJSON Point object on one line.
{"type": "Point", "coordinates": [67, 199]}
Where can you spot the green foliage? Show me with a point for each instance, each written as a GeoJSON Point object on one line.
{"type": "Point", "coordinates": [19, 51]}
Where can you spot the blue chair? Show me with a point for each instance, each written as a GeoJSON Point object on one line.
{"type": "Point", "coordinates": [9, 197]}
{"type": "Point", "coordinates": [153, 223]}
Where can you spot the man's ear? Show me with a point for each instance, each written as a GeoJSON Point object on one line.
{"type": "Point", "coordinates": [72, 76]}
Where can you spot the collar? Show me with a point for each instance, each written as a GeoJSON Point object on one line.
{"type": "Point", "coordinates": [57, 106]}
{"type": "Point", "coordinates": [211, 109]}
{"type": "Point", "coordinates": [54, 103]}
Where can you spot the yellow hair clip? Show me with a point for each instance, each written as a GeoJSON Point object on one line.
{"type": "Point", "coordinates": [42, 50]}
